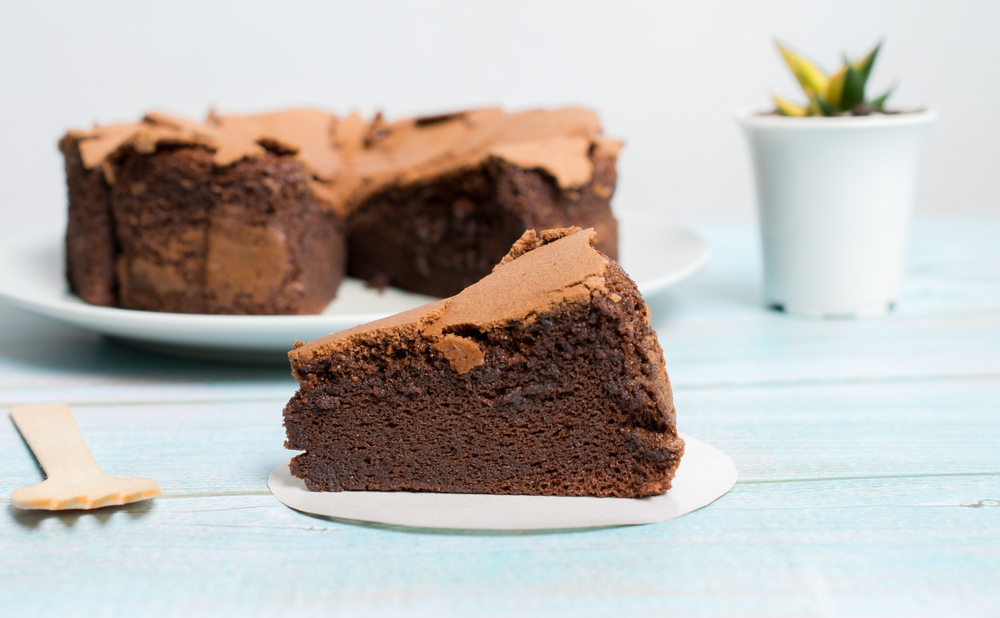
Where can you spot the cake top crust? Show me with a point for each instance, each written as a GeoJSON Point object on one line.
{"type": "Point", "coordinates": [542, 272]}
{"type": "Point", "coordinates": [558, 141]}
{"type": "Point", "coordinates": [355, 158]}
{"type": "Point", "coordinates": [308, 134]}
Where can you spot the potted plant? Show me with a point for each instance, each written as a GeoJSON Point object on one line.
{"type": "Point", "coordinates": [836, 179]}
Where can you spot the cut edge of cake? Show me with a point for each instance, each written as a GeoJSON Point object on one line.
{"type": "Point", "coordinates": [551, 280]}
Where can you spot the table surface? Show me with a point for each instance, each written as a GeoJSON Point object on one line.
{"type": "Point", "coordinates": [868, 451]}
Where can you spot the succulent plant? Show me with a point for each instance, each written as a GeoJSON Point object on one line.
{"type": "Point", "coordinates": [842, 93]}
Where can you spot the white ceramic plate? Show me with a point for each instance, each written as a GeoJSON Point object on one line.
{"type": "Point", "coordinates": [705, 474]}
{"type": "Point", "coordinates": [32, 279]}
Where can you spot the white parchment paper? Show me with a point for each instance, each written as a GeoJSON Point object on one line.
{"type": "Point", "coordinates": [705, 474]}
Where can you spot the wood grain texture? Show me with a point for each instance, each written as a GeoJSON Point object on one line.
{"type": "Point", "coordinates": [869, 455]}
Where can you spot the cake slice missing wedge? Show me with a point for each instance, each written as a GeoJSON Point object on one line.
{"type": "Point", "coordinates": [544, 378]}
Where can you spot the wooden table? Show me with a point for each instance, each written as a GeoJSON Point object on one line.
{"type": "Point", "coordinates": [869, 458]}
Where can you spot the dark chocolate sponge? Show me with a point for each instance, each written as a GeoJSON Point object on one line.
{"type": "Point", "coordinates": [169, 215]}
{"type": "Point", "coordinates": [544, 378]}
{"type": "Point", "coordinates": [248, 238]}
{"type": "Point", "coordinates": [440, 236]}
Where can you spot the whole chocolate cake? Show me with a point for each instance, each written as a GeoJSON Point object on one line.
{"type": "Point", "coordinates": [543, 378]}
{"type": "Point", "coordinates": [248, 214]}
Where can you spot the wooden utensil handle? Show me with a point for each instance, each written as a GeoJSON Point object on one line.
{"type": "Point", "coordinates": [55, 439]}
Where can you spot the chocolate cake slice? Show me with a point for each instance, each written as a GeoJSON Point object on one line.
{"type": "Point", "coordinates": [435, 202]}
{"type": "Point", "coordinates": [544, 378]}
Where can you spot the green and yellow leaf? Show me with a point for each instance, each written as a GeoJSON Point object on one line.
{"type": "Point", "coordinates": [811, 77]}
{"type": "Point", "coordinates": [835, 89]}
{"type": "Point", "coordinates": [814, 108]}
{"type": "Point", "coordinates": [864, 66]}
{"type": "Point", "coordinates": [822, 105]}
{"type": "Point", "coordinates": [854, 89]}
{"type": "Point", "coordinates": [789, 109]}
{"type": "Point", "coordinates": [879, 102]}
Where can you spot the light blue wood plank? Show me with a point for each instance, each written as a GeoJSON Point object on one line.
{"type": "Point", "coordinates": [780, 350]}
{"type": "Point", "coordinates": [103, 393]}
{"type": "Point", "coordinates": [781, 557]}
{"type": "Point", "coordinates": [773, 433]}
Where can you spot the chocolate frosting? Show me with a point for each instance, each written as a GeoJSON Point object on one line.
{"type": "Point", "coordinates": [541, 272]}
{"type": "Point", "coordinates": [352, 158]}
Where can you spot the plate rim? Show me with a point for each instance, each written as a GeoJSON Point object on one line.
{"type": "Point", "coordinates": [118, 322]}
{"type": "Point", "coordinates": [656, 285]}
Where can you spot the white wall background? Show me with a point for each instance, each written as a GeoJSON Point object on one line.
{"type": "Point", "coordinates": [665, 76]}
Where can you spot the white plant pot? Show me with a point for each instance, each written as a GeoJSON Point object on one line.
{"type": "Point", "coordinates": [835, 197]}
